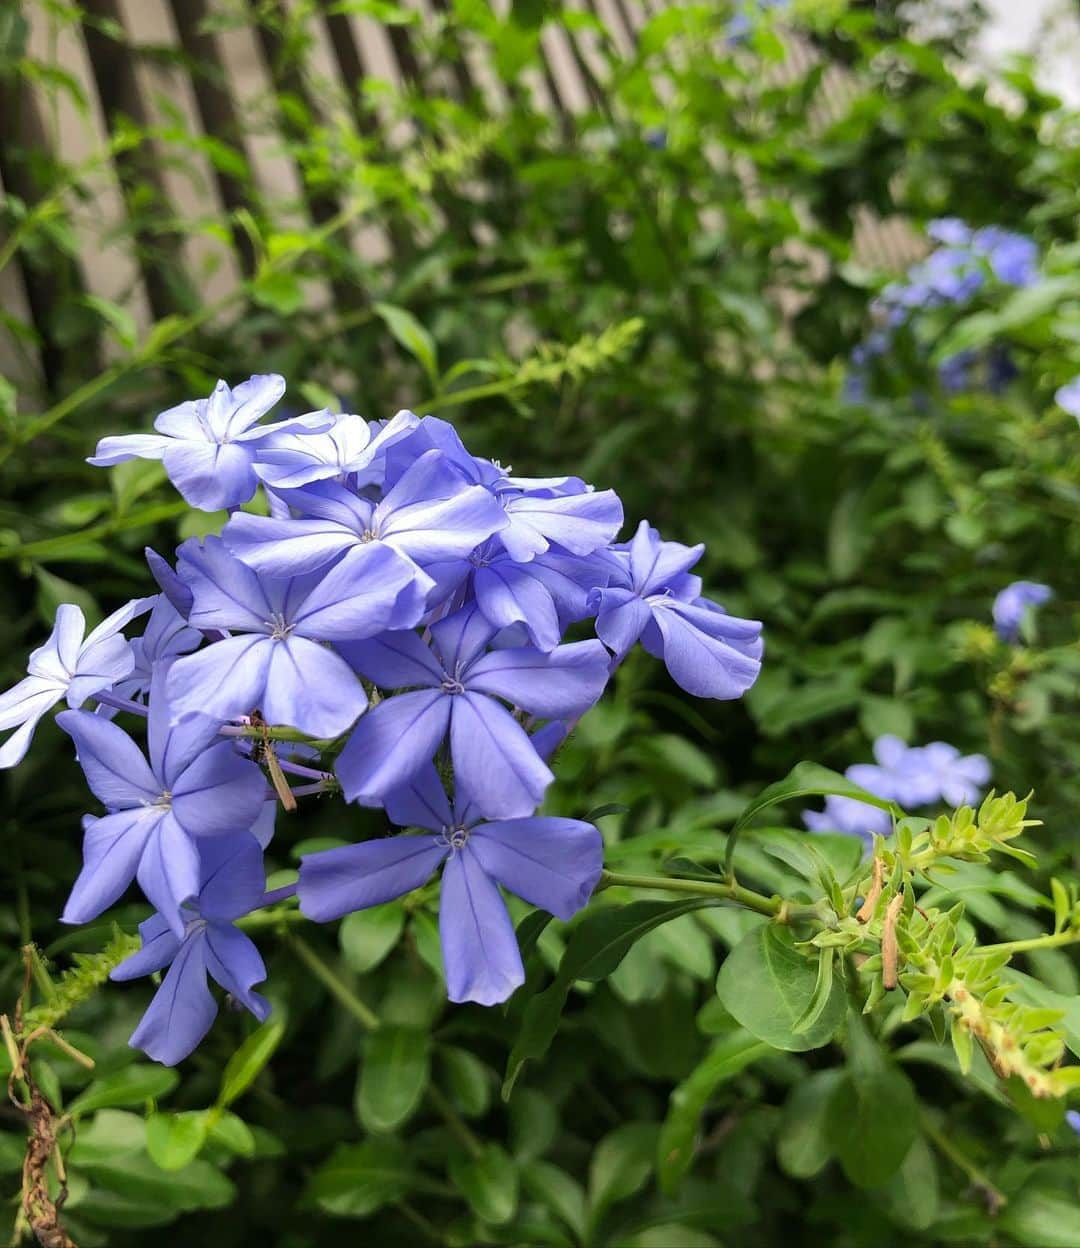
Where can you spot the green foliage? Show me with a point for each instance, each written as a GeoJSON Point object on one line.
{"type": "Point", "coordinates": [674, 321]}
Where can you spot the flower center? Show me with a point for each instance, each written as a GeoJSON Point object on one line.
{"type": "Point", "coordinates": [279, 627]}
{"type": "Point", "coordinates": [455, 838]}
{"type": "Point", "coordinates": [368, 535]}
{"type": "Point", "coordinates": [450, 685]}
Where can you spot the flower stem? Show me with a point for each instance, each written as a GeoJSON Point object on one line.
{"type": "Point", "coordinates": [121, 704]}
{"type": "Point", "coordinates": [771, 907]}
{"type": "Point", "coordinates": [370, 1021]}
{"type": "Point", "coordinates": [364, 1015]}
{"type": "Point", "coordinates": [1051, 941]}
{"type": "Point", "coordinates": [992, 1195]}
{"type": "Point", "coordinates": [267, 733]}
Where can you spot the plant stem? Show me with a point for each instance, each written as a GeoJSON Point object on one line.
{"type": "Point", "coordinates": [266, 733]}
{"type": "Point", "coordinates": [364, 1015]}
{"type": "Point", "coordinates": [1052, 941]}
{"type": "Point", "coordinates": [993, 1196]}
{"type": "Point", "coordinates": [771, 907]}
{"type": "Point", "coordinates": [370, 1021]}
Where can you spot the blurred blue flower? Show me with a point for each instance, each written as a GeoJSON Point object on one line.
{"type": "Point", "coordinates": [1012, 603]}
{"type": "Point", "coordinates": [1068, 397]}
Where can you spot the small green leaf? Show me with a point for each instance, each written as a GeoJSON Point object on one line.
{"type": "Point", "coordinates": [768, 986]}
{"type": "Point", "coordinates": [804, 780]}
{"type": "Point", "coordinates": [131, 1086]}
{"type": "Point", "coordinates": [173, 1140]}
{"type": "Point", "coordinates": [360, 1178]}
{"type": "Point", "coordinates": [1062, 908]}
{"type": "Point", "coordinates": [412, 336]}
{"type": "Point", "coordinates": [243, 1068]}
{"type": "Point", "coordinates": [393, 1075]}
{"type": "Point", "coordinates": [675, 1150]}
{"type": "Point", "coordinates": [873, 1114]}
{"type": "Point", "coordinates": [559, 1192]}
{"type": "Point", "coordinates": [468, 1080]}
{"type": "Point", "coordinates": [367, 936]}
{"type": "Point", "coordinates": [620, 1166]}
{"type": "Point", "coordinates": [489, 1182]}
{"type": "Point", "coordinates": [1042, 1219]}
{"type": "Point", "coordinates": [912, 1195]}
{"type": "Point", "coordinates": [802, 1146]}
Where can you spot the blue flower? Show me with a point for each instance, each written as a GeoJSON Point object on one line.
{"type": "Point", "coordinates": [1012, 603]}
{"type": "Point", "coordinates": [847, 814]}
{"type": "Point", "coordinates": [432, 513]}
{"type": "Point", "coordinates": [349, 449]}
{"type": "Point", "coordinates": [195, 785]}
{"type": "Point", "coordinates": [1014, 258]}
{"type": "Point", "coordinates": [550, 862]}
{"type": "Point", "coordinates": [1072, 1117]}
{"type": "Point", "coordinates": [456, 684]}
{"type": "Point", "coordinates": [166, 636]}
{"type": "Point", "coordinates": [655, 599]}
{"type": "Point", "coordinates": [209, 446]}
{"type": "Point", "coordinates": [273, 661]}
{"type": "Point", "coordinates": [949, 230]}
{"type": "Point", "coordinates": [947, 775]}
{"type": "Point", "coordinates": [230, 881]}
{"type": "Point", "coordinates": [1068, 397]}
{"type": "Point", "coordinates": [67, 665]}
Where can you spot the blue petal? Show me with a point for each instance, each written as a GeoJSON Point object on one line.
{"type": "Point", "coordinates": [311, 688]}
{"type": "Point", "coordinates": [391, 744]}
{"type": "Point", "coordinates": [220, 792]}
{"type": "Point", "coordinates": [494, 761]}
{"type": "Point", "coordinates": [115, 768]}
{"type": "Point", "coordinates": [580, 523]}
{"type": "Point", "coordinates": [507, 594]}
{"type": "Point", "coordinates": [160, 945]}
{"type": "Point", "coordinates": [654, 563]}
{"type": "Point", "coordinates": [182, 1009]}
{"type": "Point", "coordinates": [551, 863]}
{"type": "Point", "coordinates": [706, 666]}
{"type": "Point", "coordinates": [235, 963]}
{"type": "Point", "coordinates": [422, 803]}
{"type": "Point", "coordinates": [286, 547]}
{"type": "Point", "coordinates": [233, 877]}
{"type": "Point", "coordinates": [621, 618]}
{"type": "Point", "coordinates": [174, 746]}
{"type": "Point", "coordinates": [112, 850]}
{"type": "Point", "coordinates": [224, 680]}
{"type": "Point", "coordinates": [460, 637]}
{"type": "Point", "coordinates": [354, 877]}
{"type": "Point", "coordinates": [363, 595]}
{"type": "Point", "coordinates": [561, 684]}
{"type": "Point", "coordinates": [227, 593]}
{"type": "Point", "coordinates": [211, 476]}
{"type": "Point", "coordinates": [169, 871]}
{"type": "Point", "coordinates": [433, 529]}
{"type": "Point", "coordinates": [480, 950]}
{"type": "Point", "coordinates": [116, 450]}
{"type": "Point", "coordinates": [396, 660]}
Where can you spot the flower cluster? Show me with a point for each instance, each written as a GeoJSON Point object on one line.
{"type": "Point", "coordinates": [962, 264]}
{"type": "Point", "coordinates": [400, 607]}
{"type": "Point", "coordinates": [912, 776]}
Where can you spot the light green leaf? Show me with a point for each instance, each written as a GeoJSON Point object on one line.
{"type": "Point", "coordinates": [174, 1140]}
{"type": "Point", "coordinates": [489, 1182]}
{"type": "Point", "coordinates": [412, 336]}
{"type": "Point", "coordinates": [131, 1086]}
{"type": "Point", "coordinates": [245, 1065]}
{"type": "Point", "coordinates": [367, 936]}
{"type": "Point", "coordinates": [767, 985]}
{"type": "Point", "coordinates": [393, 1075]}
{"type": "Point", "coordinates": [360, 1178]}
{"type": "Point", "coordinates": [675, 1149]}
{"type": "Point", "coordinates": [620, 1166]}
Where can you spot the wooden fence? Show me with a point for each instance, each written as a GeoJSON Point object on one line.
{"type": "Point", "coordinates": [168, 63]}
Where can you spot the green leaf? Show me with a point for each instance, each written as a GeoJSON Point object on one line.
{"type": "Point", "coordinates": [561, 1194]}
{"type": "Point", "coordinates": [360, 1178]}
{"type": "Point", "coordinates": [802, 1146]}
{"type": "Point", "coordinates": [281, 292]}
{"type": "Point", "coordinates": [489, 1182]}
{"type": "Point", "coordinates": [243, 1068]}
{"type": "Point", "coordinates": [367, 936]}
{"type": "Point", "coordinates": [468, 1080]}
{"type": "Point", "coordinates": [873, 1114]}
{"type": "Point", "coordinates": [804, 780]}
{"type": "Point", "coordinates": [767, 985]}
{"type": "Point", "coordinates": [912, 1195]}
{"type": "Point", "coordinates": [131, 1086]}
{"type": "Point", "coordinates": [232, 1133]}
{"type": "Point", "coordinates": [675, 1149]}
{"type": "Point", "coordinates": [599, 943]}
{"type": "Point", "coordinates": [174, 1140]}
{"type": "Point", "coordinates": [1041, 1219]}
{"type": "Point", "coordinates": [534, 1124]}
{"type": "Point", "coordinates": [412, 336]}
{"type": "Point", "coordinates": [620, 1166]}
{"type": "Point", "coordinates": [393, 1075]}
